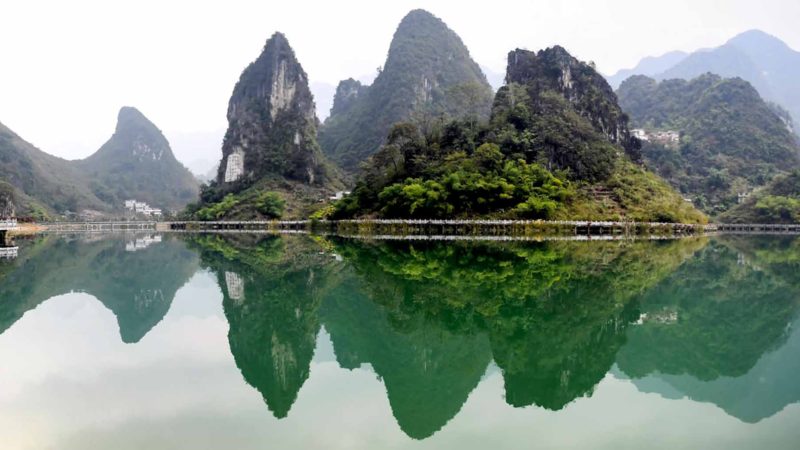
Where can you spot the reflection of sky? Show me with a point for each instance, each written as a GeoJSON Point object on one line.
{"type": "Point", "coordinates": [68, 382]}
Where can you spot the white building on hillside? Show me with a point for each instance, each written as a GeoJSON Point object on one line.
{"type": "Point", "coordinates": [142, 208]}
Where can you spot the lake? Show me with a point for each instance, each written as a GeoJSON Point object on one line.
{"type": "Point", "coordinates": [247, 341]}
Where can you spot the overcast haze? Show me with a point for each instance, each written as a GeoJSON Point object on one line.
{"type": "Point", "coordinates": [67, 67]}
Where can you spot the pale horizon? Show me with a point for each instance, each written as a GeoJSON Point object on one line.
{"type": "Point", "coordinates": [70, 67]}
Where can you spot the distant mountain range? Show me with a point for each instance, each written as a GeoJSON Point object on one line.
{"type": "Point", "coordinates": [765, 61]}
{"type": "Point", "coordinates": [135, 163]}
{"type": "Point", "coordinates": [650, 66]}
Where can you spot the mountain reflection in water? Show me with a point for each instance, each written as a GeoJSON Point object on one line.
{"type": "Point", "coordinates": [709, 319]}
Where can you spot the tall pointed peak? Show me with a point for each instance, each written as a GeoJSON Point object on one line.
{"type": "Point", "coordinates": [428, 70]}
{"type": "Point", "coordinates": [421, 34]}
{"type": "Point", "coordinates": [278, 43]}
{"type": "Point", "coordinates": [420, 15]}
{"type": "Point", "coordinates": [272, 122]}
{"type": "Point", "coordinates": [550, 65]}
{"type": "Point", "coordinates": [130, 118]}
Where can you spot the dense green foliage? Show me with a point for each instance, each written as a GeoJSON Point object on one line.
{"type": "Point", "coordinates": [254, 203]}
{"type": "Point", "coordinates": [270, 198]}
{"type": "Point", "coordinates": [454, 183]}
{"type": "Point", "coordinates": [731, 140]}
{"type": "Point", "coordinates": [428, 75]}
{"type": "Point", "coordinates": [778, 202]}
{"type": "Point", "coordinates": [549, 151]}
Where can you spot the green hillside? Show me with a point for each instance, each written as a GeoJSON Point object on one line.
{"type": "Point", "coordinates": [557, 146]}
{"type": "Point", "coordinates": [731, 141]}
{"type": "Point", "coordinates": [428, 75]}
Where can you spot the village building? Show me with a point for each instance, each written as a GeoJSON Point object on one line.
{"type": "Point", "coordinates": [142, 208]}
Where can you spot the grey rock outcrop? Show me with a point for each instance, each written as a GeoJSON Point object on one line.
{"type": "Point", "coordinates": [272, 123]}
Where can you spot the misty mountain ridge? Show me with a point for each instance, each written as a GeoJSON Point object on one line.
{"type": "Point", "coordinates": [649, 66]}
{"type": "Point", "coordinates": [763, 60]}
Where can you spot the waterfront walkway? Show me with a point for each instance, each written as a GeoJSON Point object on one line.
{"type": "Point", "coordinates": [418, 226]}
{"type": "Point", "coordinates": [8, 224]}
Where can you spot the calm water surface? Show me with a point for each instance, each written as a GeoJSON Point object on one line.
{"type": "Point", "coordinates": [252, 342]}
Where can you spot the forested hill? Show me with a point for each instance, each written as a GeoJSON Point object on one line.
{"type": "Point", "coordinates": [730, 140]}
{"type": "Point", "coordinates": [778, 202]}
{"type": "Point", "coordinates": [428, 75]}
{"type": "Point", "coordinates": [557, 146]}
{"type": "Point", "coordinates": [763, 60]}
{"type": "Point", "coordinates": [137, 163]}
{"type": "Point", "coordinates": [41, 183]}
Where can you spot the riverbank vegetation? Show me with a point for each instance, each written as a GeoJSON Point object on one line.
{"type": "Point", "coordinates": [778, 202]}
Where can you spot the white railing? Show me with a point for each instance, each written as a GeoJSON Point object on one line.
{"type": "Point", "coordinates": [8, 224]}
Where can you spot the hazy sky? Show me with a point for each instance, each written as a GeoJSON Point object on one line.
{"type": "Point", "coordinates": [68, 66]}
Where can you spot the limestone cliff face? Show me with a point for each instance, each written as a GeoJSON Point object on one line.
{"type": "Point", "coordinates": [7, 208]}
{"type": "Point", "coordinates": [272, 124]}
{"type": "Point", "coordinates": [590, 95]}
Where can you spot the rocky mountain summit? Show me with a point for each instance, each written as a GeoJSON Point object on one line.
{"type": "Point", "coordinates": [588, 93]}
{"type": "Point", "coordinates": [137, 163]}
{"type": "Point", "coordinates": [271, 162]}
{"type": "Point", "coordinates": [428, 74]}
{"type": "Point", "coordinates": [272, 122]}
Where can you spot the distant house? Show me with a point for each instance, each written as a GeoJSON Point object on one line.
{"type": "Point", "coordinates": [142, 208]}
{"type": "Point", "coordinates": [339, 195]}
{"type": "Point", "coordinates": [640, 134]}
{"type": "Point", "coordinates": [663, 137]}
{"type": "Point", "coordinates": [743, 196]}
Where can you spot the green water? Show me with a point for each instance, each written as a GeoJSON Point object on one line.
{"type": "Point", "coordinates": [251, 342]}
